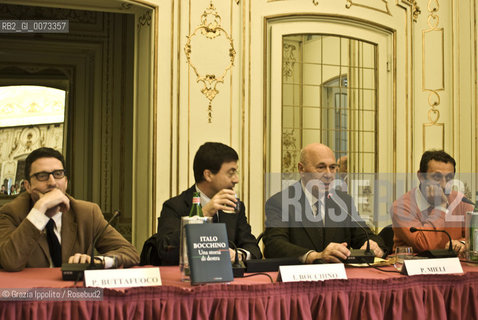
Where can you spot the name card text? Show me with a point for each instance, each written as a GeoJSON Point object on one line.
{"type": "Point", "coordinates": [312, 272]}
{"type": "Point", "coordinates": [432, 266]}
{"type": "Point", "coordinates": [122, 278]}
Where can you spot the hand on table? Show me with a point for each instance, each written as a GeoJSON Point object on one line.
{"type": "Point", "coordinates": [374, 247]}
{"type": "Point", "coordinates": [334, 252]}
{"type": "Point", "coordinates": [457, 246]}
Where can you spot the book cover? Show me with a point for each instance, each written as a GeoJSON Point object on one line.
{"type": "Point", "coordinates": [208, 253]}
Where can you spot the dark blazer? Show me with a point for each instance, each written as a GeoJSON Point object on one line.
{"type": "Point", "coordinates": [169, 223]}
{"type": "Point", "coordinates": [23, 245]}
{"type": "Point", "coordinates": [293, 231]}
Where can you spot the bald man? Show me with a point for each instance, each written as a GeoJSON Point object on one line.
{"type": "Point", "coordinates": [310, 219]}
{"type": "Point", "coordinates": [342, 163]}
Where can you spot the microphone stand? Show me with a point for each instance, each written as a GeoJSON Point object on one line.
{"type": "Point", "coordinates": [75, 271]}
{"type": "Point", "coordinates": [357, 255]}
{"type": "Point", "coordinates": [238, 267]}
{"type": "Point", "coordinates": [438, 253]}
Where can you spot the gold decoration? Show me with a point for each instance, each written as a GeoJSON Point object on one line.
{"type": "Point", "coordinates": [415, 11]}
{"type": "Point", "coordinates": [210, 28]}
{"type": "Point", "coordinates": [433, 18]}
{"type": "Point", "coordinates": [126, 6]}
{"type": "Point", "coordinates": [467, 191]}
{"type": "Point", "coordinates": [315, 2]}
{"type": "Point", "coordinates": [433, 128]}
{"type": "Point", "coordinates": [144, 19]}
{"type": "Point", "coordinates": [433, 96]}
{"type": "Point", "coordinates": [350, 3]}
{"type": "Point", "coordinates": [433, 116]}
{"type": "Point", "coordinates": [290, 154]}
{"type": "Point", "coordinates": [288, 59]}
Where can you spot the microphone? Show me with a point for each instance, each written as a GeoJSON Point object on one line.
{"type": "Point", "coordinates": [466, 200]}
{"type": "Point", "coordinates": [75, 271]}
{"type": "Point", "coordinates": [116, 214]}
{"type": "Point", "coordinates": [463, 199]}
{"type": "Point", "coordinates": [357, 255]}
{"type": "Point", "coordinates": [438, 253]}
{"type": "Point", "coordinates": [238, 267]}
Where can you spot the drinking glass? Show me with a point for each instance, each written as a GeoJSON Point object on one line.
{"type": "Point", "coordinates": [235, 209]}
{"type": "Point", "coordinates": [402, 253]}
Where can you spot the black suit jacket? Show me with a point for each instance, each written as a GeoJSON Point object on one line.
{"type": "Point", "coordinates": [169, 223]}
{"type": "Point", "coordinates": [292, 230]}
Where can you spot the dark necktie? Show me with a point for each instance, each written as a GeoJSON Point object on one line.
{"type": "Point", "coordinates": [318, 206]}
{"type": "Point", "coordinates": [53, 243]}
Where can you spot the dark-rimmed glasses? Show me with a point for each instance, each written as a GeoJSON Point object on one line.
{"type": "Point", "coordinates": [44, 176]}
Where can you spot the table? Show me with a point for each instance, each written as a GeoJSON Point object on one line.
{"type": "Point", "coordinates": [367, 294]}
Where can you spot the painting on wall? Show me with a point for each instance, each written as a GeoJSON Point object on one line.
{"type": "Point", "coordinates": [30, 117]}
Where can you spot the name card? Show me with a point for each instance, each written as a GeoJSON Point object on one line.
{"type": "Point", "coordinates": [432, 266]}
{"type": "Point", "coordinates": [312, 272]}
{"type": "Point", "coordinates": [121, 278]}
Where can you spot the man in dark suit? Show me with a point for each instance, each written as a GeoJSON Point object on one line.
{"type": "Point", "coordinates": [310, 220]}
{"type": "Point", "coordinates": [45, 227]}
{"type": "Point", "coordinates": [215, 173]}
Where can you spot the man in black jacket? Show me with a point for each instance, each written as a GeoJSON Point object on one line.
{"type": "Point", "coordinates": [215, 173]}
{"type": "Point", "coordinates": [312, 221]}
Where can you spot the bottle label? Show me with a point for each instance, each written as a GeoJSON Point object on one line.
{"type": "Point", "coordinates": [196, 200]}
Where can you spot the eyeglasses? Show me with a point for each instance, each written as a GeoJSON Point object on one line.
{"type": "Point", "coordinates": [231, 173]}
{"type": "Point", "coordinates": [44, 176]}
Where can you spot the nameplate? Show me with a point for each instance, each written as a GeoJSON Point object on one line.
{"type": "Point", "coordinates": [312, 272]}
{"type": "Point", "coordinates": [432, 266]}
{"type": "Point", "coordinates": [121, 278]}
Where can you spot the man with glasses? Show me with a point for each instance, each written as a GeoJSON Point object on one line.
{"type": "Point", "coordinates": [215, 173]}
{"type": "Point", "coordinates": [45, 227]}
{"type": "Point", "coordinates": [433, 205]}
{"type": "Point", "coordinates": [311, 220]}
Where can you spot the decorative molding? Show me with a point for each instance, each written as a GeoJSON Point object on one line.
{"type": "Point", "coordinates": [126, 6]}
{"type": "Point", "coordinates": [144, 19]}
{"type": "Point", "coordinates": [19, 12]}
{"type": "Point", "coordinates": [210, 28]}
{"type": "Point", "coordinates": [9, 171]}
{"type": "Point", "coordinates": [433, 128]}
{"type": "Point", "coordinates": [290, 151]}
{"type": "Point", "coordinates": [433, 21]}
{"type": "Point", "coordinates": [29, 139]}
{"type": "Point", "coordinates": [288, 60]}
{"type": "Point", "coordinates": [415, 11]}
{"type": "Point", "coordinates": [467, 191]}
{"type": "Point", "coordinates": [368, 5]}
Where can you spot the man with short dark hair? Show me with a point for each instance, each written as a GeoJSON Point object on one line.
{"type": "Point", "coordinates": [215, 173]}
{"type": "Point", "coordinates": [312, 221]}
{"type": "Point", "coordinates": [45, 227]}
{"type": "Point", "coordinates": [433, 205]}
